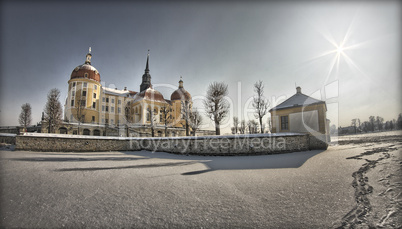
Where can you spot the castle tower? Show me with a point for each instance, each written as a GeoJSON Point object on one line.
{"type": "Point", "coordinates": [84, 90]}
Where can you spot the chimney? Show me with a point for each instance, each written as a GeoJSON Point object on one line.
{"type": "Point", "coordinates": [298, 90]}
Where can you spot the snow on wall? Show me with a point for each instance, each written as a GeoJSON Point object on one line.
{"type": "Point", "coordinates": [204, 145]}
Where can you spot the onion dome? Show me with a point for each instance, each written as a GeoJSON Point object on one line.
{"type": "Point", "coordinates": [86, 70]}
{"type": "Point", "coordinates": [149, 94]}
{"type": "Point", "coordinates": [180, 93]}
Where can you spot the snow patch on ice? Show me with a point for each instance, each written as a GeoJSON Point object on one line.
{"type": "Point", "coordinates": [163, 138]}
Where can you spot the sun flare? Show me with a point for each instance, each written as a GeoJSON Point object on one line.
{"type": "Point", "coordinates": [339, 50]}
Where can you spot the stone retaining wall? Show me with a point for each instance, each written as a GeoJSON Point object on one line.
{"type": "Point", "coordinates": [205, 145]}
{"type": "Point", "coordinates": [7, 138]}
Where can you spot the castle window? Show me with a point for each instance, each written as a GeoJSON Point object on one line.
{"type": "Point", "coordinates": [107, 108]}
{"type": "Point", "coordinates": [103, 99]}
{"type": "Point", "coordinates": [94, 105]}
{"type": "Point", "coordinates": [119, 102]}
{"type": "Point", "coordinates": [85, 84]}
{"type": "Point", "coordinates": [112, 109]}
{"type": "Point", "coordinates": [148, 117]}
{"type": "Point", "coordinates": [119, 110]}
{"type": "Point", "coordinates": [112, 100]}
{"type": "Point", "coordinates": [103, 120]}
{"type": "Point", "coordinates": [95, 87]}
{"type": "Point", "coordinates": [107, 121]}
{"type": "Point", "coordinates": [93, 118]}
{"type": "Point", "coordinates": [72, 102]}
{"type": "Point", "coordinates": [86, 75]}
{"type": "Point", "coordinates": [111, 121]}
{"type": "Point", "coordinates": [107, 100]}
{"type": "Point", "coordinates": [83, 103]}
{"type": "Point", "coordinates": [73, 93]}
{"type": "Point", "coordinates": [103, 108]}
{"type": "Point", "coordinates": [84, 93]}
{"type": "Point", "coordinates": [94, 95]}
{"type": "Point", "coordinates": [284, 123]}
{"type": "Point", "coordinates": [74, 84]}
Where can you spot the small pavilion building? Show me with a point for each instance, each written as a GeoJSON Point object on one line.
{"type": "Point", "coordinates": [301, 114]}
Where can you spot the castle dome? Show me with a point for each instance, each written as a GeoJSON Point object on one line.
{"type": "Point", "coordinates": [86, 70]}
{"type": "Point", "coordinates": [180, 93]}
{"type": "Point", "coordinates": [149, 94]}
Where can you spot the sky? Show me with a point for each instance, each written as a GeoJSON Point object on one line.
{"type": "Point", "coordinates": [347, 53]}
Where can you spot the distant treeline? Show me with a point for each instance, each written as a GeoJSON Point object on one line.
{"type": "Point", "coordinates": [374, 124]}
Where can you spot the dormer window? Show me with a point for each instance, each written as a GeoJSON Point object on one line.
{"type": "Point", "coordinates": [86, 75]}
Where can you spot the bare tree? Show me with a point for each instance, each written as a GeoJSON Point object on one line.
{"type": "Point", "coordinates": [242, 128]}
{"type": "Point", "coordinates": [269, 124]}
{"type": "Point", "coordinates": [354, 124]}
{"type": "Point", "coordinates": [215, 104]}
{"type": "Point", "coordinates": [167, 118]}
{"type": "Point", "coordinates": [195, 121]}
{"type": "Point", "coordinates": [372, 121]}
{"type": "Point", "coordinates": [128, 115]}
{"type": "Point", "coordinates": [358, 124]}
{"type": "Point", "coordinates": [53, 110]}
{"type": "Point", "coordinates": [398, 122]}
{"type": "Point", "coordinates": [186, 114]}
{"type": "Point", "coordinates": [235, 125]}
{"type": "Point", "coordinates": [25, 116]}
{"type": "Point", "coordinates": [152, 118]}
{"type": "Point", "coordinates": [259, 103]}
{"type": "Point", "coordinates": [129, 112]}
{"type": "Point", "coordinates": [380, 122]}
{"type": "Point", "coordinates": [252, 127]}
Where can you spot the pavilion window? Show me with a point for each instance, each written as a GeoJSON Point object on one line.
{"type": "Point", "coordinates": [284, 123]}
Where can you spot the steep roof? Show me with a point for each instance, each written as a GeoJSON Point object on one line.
{"type": "Point", "coordinates": [297, 100]}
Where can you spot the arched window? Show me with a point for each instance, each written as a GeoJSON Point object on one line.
{"type": "Point", "coordinates": [63, 130]}
{"type": "Point", "coordinates": [86, 132]}
{"type": "Point", "coordinates": [96, 132]}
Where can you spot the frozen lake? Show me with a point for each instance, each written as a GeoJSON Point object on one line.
{"type": "Point", "coordinates": [311, 189]}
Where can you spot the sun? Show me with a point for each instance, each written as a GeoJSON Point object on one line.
{"type": "Point", "coordinates": [339, 49]}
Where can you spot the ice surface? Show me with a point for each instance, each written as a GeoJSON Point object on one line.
{"type": "Point", "coordinates": [311, 189]}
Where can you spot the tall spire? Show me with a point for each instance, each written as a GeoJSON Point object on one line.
{"type": "Point", "coordinates": [146, 78]}
{"type": "Point", "coordinates": [147, 66]}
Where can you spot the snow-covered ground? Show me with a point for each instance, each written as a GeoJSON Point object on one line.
{"type": "Point", "coordinates": [312, 189]}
